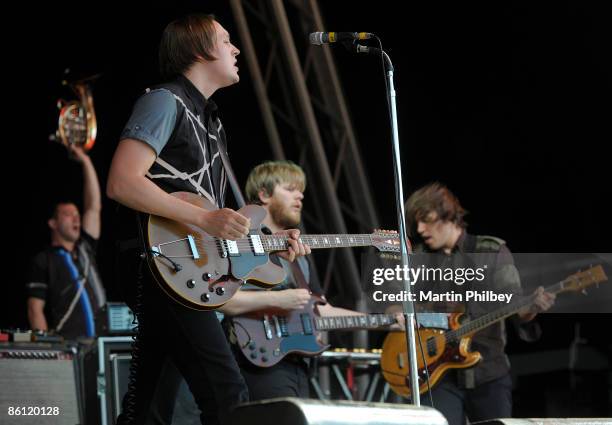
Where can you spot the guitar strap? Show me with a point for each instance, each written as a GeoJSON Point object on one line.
{"type": "Point", "coordinates": [230, 173]}
{"type": "Point", "coordinates": [467, 377]}
{"type": "Point", "coordinates": [298, 275]}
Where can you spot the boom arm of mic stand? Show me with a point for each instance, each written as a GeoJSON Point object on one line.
{"type": "Point", "coordinates": [408, 305]}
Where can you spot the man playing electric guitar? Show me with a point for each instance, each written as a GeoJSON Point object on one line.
{"type": "Point", "coordinates": [435, 216]}
{"type": "Point", "coordinates": [175, 142]}
{"type": "Point", "coordinates": [278, 186]}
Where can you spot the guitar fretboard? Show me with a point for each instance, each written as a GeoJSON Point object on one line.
{"type": "Point", "coordinates": [497, 315]}
{"type": "Point", "coordinates": [279, 242]}
{"type": "Point", "coordinates": [352, 322]}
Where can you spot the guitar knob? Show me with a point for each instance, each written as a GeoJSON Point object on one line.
{"type": "Point", "coordinates": [253, 355]}
{"type": "Point", "coordinates": [207, 276]}
{"type": "Point", "coordinates": [264, 359]}
{"type": "Point", "coordinates": [252, 345]}
{"type": "Point", "coordinates": [205, 297]}
{"type": "Point", "coordinates": [220, 290]}
{"type": "Point", "coordinates": [190, 283]}
{"type": "Point", "coordinates": [262, 349]}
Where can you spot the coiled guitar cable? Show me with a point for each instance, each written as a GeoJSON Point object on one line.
{"type": "Point", "coordinates": [128, 415]}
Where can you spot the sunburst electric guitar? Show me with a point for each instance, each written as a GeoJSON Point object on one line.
{"type": "Point", "coordinates": [449, 349]}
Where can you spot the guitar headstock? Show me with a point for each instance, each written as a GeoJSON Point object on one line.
{"type": "Point", "coordinates": [386, 240]}
{"type": "Point", "coordinates": [581, 280]}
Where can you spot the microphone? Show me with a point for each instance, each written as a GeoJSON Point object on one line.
{"type": "Point", "coordinates": [319, 38]}
{"type": "Point", "coordinates": [367, 50]}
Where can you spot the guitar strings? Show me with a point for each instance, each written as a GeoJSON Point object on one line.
{"type": "Point", "coordinates": [271, 242]}
{"type": "Point", "coordinates": [276, 242]}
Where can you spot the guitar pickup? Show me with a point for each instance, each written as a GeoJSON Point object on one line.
{"type": "Point", "coordinates": [257, 245]}
{"type": "Point", "coordinates": [306, 325]}
{"type": "Point", "coordinates": [277, 326]}
{"type": "Point", "coordinates": [431, 347]}
{"type": "Point", "coordinates": [232, 248]}
{"type": "Point", "coordinates": [284, 329]}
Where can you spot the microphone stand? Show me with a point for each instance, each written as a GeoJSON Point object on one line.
{"type": "Point", "coordinates": [407, 304]}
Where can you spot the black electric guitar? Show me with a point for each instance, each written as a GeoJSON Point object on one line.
{"type": "Point", "coordinates": [265, 337]}
{"type": "Point", "coordinates": [203, 272]}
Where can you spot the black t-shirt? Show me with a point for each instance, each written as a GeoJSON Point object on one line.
{"type": "Point", "coordinates": [55, 276]}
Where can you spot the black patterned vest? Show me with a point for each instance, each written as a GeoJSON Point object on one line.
{"type": "Point", "coordinates": [190, 159]}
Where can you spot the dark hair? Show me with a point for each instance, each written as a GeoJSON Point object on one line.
{"type": "Point", "coordinates": [185, 40]}
{"type": "Point", "coordinates": [52, 213]}
{"type": "Point", "coordinates": [434, 197]}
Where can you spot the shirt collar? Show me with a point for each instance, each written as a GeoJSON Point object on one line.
{"type": "Point", "coordinates": [460, 245]}
{"type": "Point", "coordinates": [203, 105]}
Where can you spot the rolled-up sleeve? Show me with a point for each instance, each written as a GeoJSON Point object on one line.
{"type": "Point", "coordinates": [152, 120]}
{"type": "Point", "coordinates": [37, 283]}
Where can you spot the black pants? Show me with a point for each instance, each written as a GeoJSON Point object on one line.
{"type": "Point", "coordinates": [196, 343]}
{"type": "Point", "coordinates": [172, 402]}
{"type": "Point", "coordinates": [486, 401]}
{"type": "Point", "coordinates": [284, 379]}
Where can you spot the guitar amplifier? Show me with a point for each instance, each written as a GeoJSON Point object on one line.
{"type": "Point", "coordinates": [39, 384]}
{"type": "Point", "coordinates": [295, 411]}
{"type": "Point", "coordinates": [113, 356]}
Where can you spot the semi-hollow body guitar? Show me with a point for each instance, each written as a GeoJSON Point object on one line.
{"type": "Point", "coordinates": [203, 272]}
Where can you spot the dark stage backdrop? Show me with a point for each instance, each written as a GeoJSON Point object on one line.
{"type": "Point", "coordinates": [506, 102]}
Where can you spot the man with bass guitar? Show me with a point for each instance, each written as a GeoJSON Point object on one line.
{"type": "Point", "coordinates": [279, 187]}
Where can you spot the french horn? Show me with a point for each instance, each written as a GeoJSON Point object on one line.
{"type": "Point", "coordinates": [77, 118]}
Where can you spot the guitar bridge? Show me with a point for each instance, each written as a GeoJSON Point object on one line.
{"type": "Point", "coordinates": [192, 247]}
{"type": "Point", "coordinates": [267, 328]}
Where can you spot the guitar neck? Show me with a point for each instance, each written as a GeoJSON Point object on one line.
{"type": "Point", "coordinates": [489, 319]}
{"type": "Point", "coordinates": [279, 242]}
{"type": "Point", "coordinates": [369, 321]}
